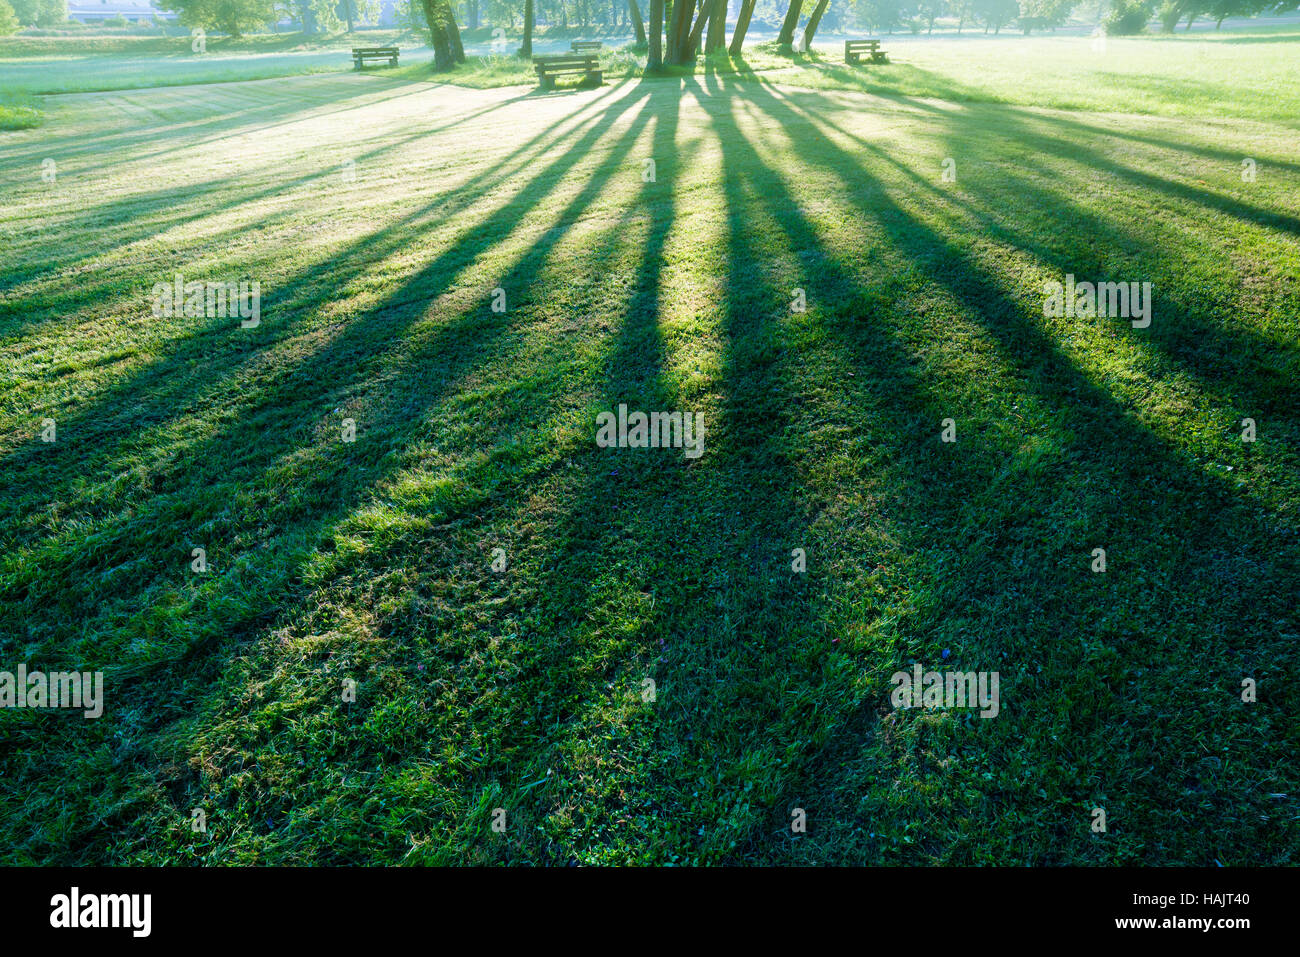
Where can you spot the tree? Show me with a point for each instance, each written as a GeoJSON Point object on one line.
{"type": "Point", "coordinates": [656, 58]}
{"type": "Point", "coordinates": [785, 39]}
{"type": "Point", "coordinates": [319, 16]}
{"type": "Point", "coordinates": [1128, 17]}
{"type": "Point", "coordinates": [996, 13]}
{"type": "Point", "coordinates": [39, 13]}
{"type": "Point", "coordinates": [1041, 14]}
{"type": "Point", "coordinates": [880, 14]}
{"type": "Point", "coordinates": [931, 10]}
{"type": "Point", "coordinates": [231, 17]}
{"type": "Point", "coordinates": [444, 35]}
{"type": "Point", "coordinates": [683, 38]}
{"type": "Point", "coordinates": [716, 38]}
{"type": "Point", "coordinates": [742, 26]}
{"type": "Point", "coordinates": [964, 11]}
{"type": "Point", "coordinates": [8, 19]}
{"type": "Point", "coordinates": [696, 34]}
{"type": "Point", "coordinates": [810, 30]}
{"type": "Point", "coordinates": [637, 26]}
{"type": "Point", "coordinates": [1171, 11]}
{"type": "Point", "coordinates": [526, 49]}
{"type": "Point", "coordinates": [1220, 10]}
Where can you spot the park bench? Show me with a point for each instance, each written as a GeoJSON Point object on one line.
{"type": "Point", "coordinates": [853, 50]}
{"type": "Point", "coordinates": [549, 67]}
{"type": "Point", "coordinates": [584, 46]}
{"type": "Point", "coordinates": [361, 54]}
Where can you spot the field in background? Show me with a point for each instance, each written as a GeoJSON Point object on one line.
{"type": "Point", "coordinates": [1245, 74]}
{"type": "Point", "coordinates": [380, 213]}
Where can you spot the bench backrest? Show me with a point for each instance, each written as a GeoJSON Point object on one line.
{"type": "Point", "coordinates": [376, 51]}
{"type": "Point", "coordinates": [861, 44]}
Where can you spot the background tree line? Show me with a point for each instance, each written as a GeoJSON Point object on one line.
{"type": "Point", "coordinates": [675, 31]}
{"type": "Point", "coordinates": [15, 14]}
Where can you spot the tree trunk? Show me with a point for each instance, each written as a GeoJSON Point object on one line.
{"type": "Point", "coordinates": [785, 39]}
{"type": "Point", "coordinates": [471, 15]}
{"type": "Point", "coordinates": [693, 39]}
{"type": "Point", "coordinates": [656, 59]}
{"type": "Point", "coordinates": [679, 31]}
{"type": "Point", "coordinates": [637, 25]}
{"type": "Point", "coordinates": [453, 33]}
{"type": "Point", "coordinates": [443, 58]}
{"type": "Point", "coordinates": [813, 22]}
{"type": "Point", "coordinates": [742, 26]}
{"type": "Point", "coordinates": [717, 36]}
{"type": "Point", "coordinates": [527, 49]}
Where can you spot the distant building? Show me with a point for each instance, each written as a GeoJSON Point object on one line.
{"type": "Point", "coordinates": [95, 11]}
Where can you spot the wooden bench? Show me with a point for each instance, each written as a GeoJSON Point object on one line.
{"type": "Point", "coordinates": [361, 54]}
{"type": "Point", "coordinates": [853, 50]}
{"type": "Point", "coordinates": [584, 46]}
{"type": "Point", "coordinates": [549, 67]}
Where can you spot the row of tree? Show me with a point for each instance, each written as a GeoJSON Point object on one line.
{"type": "Point", "coordinates": [679, 29]}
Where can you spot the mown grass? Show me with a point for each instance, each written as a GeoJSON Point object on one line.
{"type": "Point", "coordinates": [379, 215]}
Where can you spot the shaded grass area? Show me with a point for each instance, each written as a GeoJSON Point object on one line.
{"type": "Point", "coordinates": [379, 216]}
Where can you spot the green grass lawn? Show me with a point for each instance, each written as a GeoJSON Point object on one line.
{"type": "Point", "coordinates": [380, 213]}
